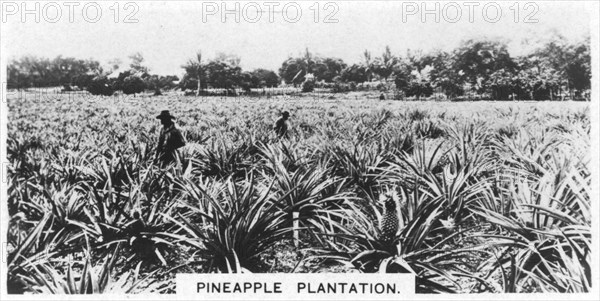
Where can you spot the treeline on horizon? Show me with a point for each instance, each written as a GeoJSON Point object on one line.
{"type": "Point", "coordinates": [477, 67]}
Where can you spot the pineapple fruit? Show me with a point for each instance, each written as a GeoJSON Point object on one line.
{"type": "Point", "coordinates": [389, 223]}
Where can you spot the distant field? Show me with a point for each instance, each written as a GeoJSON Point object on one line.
{"type": "Point", "coordinates": [491, 196]}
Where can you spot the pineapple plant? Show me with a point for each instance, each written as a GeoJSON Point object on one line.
{"type": "Point", "coordinates": [523, 199]}
{"type": "Point", "coordinates": [389, 223]}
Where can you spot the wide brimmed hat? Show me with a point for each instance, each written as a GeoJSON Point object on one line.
{"type": "Point", "coordinates": [164, 115]}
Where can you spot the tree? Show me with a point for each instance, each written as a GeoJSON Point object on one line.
{"type": "Point", "coordinates": [131, 81]}
{"type": "Point", "coordinates": [83, 80]}
{"type": "Point", "coordinates": [222, 75]}
{"type": "Point", "coordinates": [295, 70]}
{"type": "Point", "coordinates": [258, 78]}
{"type": "Point", "coordinates": [158, 83]}
{"type": "Point", "coordinates": [332, 67]}
{"type": "Point", "coordinates": [309, 84]}
{"type": "Point", "coordinates": [119, 82]}
{"type": "Point", "coordinates": [100, 85]}
{"type": "Point", "coordinates": [413, 82]}
{"type": "Point", "coordinates": [189, 83]}
{"type": "Point", "coordinates": [265, 78]}
{"type": "Point", "coordinates": [578, 68]}
{"type": "Point", "coordinates": [501, 85]}
{"type": "Point", "coordinates": [354, 73]}
{"type": "Point", "coordinates": [133, 84]}
{"type": "Point", "coordinates": [571, 61]}
{"type": "Point", "coordinates": [230, 59]}
{"type": "Point", "coordinates": [195, 72]}
{"type": "Point", "coordinates": [441, 72]}
{"type": "Point", "coordinates": [368, 64]}
{"type": "Point", "coordinates": [419, 89]}
{"type": "Point", "coordinates": [292, 71]}
{"type": "Point", "coordinates": [544, 84]}
{"type": "Point", "coordinates": [18, 75]}
{"type": "Point", "coordinates": [137, 61]}
{"type": "Point", "coordinates": [477, 60]}
{"type": "Point", "coordinates": [384, 66]}
{"type": "Point", "coordinates": [31, 71]}
{"type": "Point", "coordinates": [248, 81]}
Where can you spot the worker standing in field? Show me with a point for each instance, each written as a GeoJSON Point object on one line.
{"type": "Point", "coordinates": [170, 139]}
{"type": "Point", "coordinates": [281, 126]}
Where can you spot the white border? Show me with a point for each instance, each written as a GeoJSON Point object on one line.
{"type": "Point", "coordinates": [593, 7]}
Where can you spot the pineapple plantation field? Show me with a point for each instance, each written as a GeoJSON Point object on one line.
{"type": "Point", "coordinates": [471, 197]}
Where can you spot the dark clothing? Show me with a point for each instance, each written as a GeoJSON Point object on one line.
{"type": "Point", "coordinates": [281, 127]}
{"type": "Point", "coordinates": [169, 141]}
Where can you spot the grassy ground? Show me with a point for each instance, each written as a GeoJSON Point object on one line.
{"type": "Point", "coordinates": [490, 196]}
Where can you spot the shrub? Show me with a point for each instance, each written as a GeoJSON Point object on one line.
{"type": "Point", "coordinates": [100, 86]}
{"type": "Point", "coordinates": [339, 87]}
{"type": "Point", "coordinates": [133, 85]}
{"type": "Point", "coordinates": [419, 89]}
{"type": "Point", "coordinates": [67, 88]}
{"type": "Point", "coordinates": [308, 86]}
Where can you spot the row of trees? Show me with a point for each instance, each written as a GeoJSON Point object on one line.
{"type": "Point", "coordinates": [224, 72]}
{"type": "Point", "coordinates": [30, 71]}
{"type": "Point", "coordinates": [71, 73]}
{"type": "Point", "coordinates": [481, 67]}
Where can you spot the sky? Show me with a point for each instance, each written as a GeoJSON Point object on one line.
{"type": "Point", "coordinates": [169, 33]}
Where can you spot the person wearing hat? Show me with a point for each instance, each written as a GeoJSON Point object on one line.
{"type": "Point", "coordinates": [281, 126]}
{"type": "Point", "coordinates": [170, 139]}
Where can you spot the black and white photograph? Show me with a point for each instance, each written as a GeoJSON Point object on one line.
{"type": "Point", "coordinates": [215, 150]}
